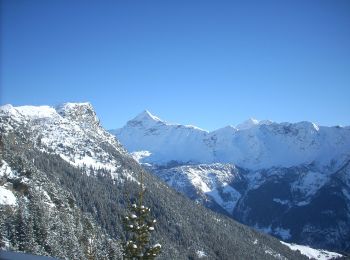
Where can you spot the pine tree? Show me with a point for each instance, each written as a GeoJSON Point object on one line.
{"type": "Point", "coordinates": [139, 228]}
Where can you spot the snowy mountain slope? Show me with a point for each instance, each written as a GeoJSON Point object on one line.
{"type": "Point", "coordinates": [161, 139]}
{"type": "Point", "coordinates": [252, 145]}
{"type": "Point", "coordinates": [205, 183]}
{"type": "Point", "coordinates": [71, 130]}
{"type": "Point", "coordinates": [304, 205]}
{"type": "Point", "coordinates": [297, 172]}
{"type": "Point", "coordinates": [67, 165]}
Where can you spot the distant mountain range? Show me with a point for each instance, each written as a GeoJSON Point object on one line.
{"type": "Point", "coordinates": [253, 144]}
{"type": "Point", "coordinates": [65, 184]}
{"type": "Point", "coordinates": [291, 180]}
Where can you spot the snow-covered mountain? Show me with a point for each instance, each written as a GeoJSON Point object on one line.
{"type": "Point", "coordinates": [71, 130]}
{"type": "Point", "coordinates": [252, 144]}
{"type": "Point", "coordinates": [297, 172]}
{"type": "Point", "coordinates": [63, 187]}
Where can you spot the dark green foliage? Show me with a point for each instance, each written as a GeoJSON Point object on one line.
{"type": "Point", "coordinates": [139, 227]}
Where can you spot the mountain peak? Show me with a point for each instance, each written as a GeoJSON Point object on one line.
{"type": "Point", "coordinates": [80, 112]}
{"type": "Point", "coordinates": [65, 107]}
{"type": "Point", "coordinates": [146, 116]}
{"type": "Point", "coordinates": [249, 123]}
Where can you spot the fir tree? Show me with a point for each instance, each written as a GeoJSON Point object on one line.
{"type": "Point", "coordinates": [139, 228]}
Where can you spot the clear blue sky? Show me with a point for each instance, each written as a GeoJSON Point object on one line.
{"type": "Point", "coordinates": [205, 63]}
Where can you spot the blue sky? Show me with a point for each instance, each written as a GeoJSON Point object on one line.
{"type": "Point", "coordinates": [199, 62]}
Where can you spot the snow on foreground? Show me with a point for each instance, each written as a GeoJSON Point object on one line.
{"type": "Point", "coordinates": [312, 253]}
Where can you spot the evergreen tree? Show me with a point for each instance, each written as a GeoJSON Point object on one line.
{"type": "Point", "coordinates": [139, 228]}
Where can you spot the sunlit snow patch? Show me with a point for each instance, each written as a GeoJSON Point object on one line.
{"type": "Point", "coordinates": [312, 253]}
{"type": "Point", "coordinates": [5, 170]}
{"type": "Point", "coordinates": [88, 162]}
{"type": "Point", "coordinates": [201, 254]}
{"type": "Point", "coordinates": [7, 197]}
{"type": "Point", "coordinates": [139, 155]}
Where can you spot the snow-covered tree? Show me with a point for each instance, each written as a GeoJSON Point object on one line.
{"type": "Point", "coordinates": [139, 227]}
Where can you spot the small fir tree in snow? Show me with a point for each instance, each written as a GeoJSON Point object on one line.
{"type": "Point", "coordinates": [139, 227]}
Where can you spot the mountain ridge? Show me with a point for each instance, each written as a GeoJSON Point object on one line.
{"type": "Point", "coordinates": [295, 170]}
{"type": "Point", "coordinates": [261, 145]}
{"type": "Point", "coordinates": [248, 123]}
